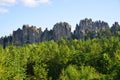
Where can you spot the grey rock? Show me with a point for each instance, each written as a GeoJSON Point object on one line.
{"type": "Point", "coordinates": [87, 25]}
{"type": "Point", "coordinates": [62, 30]}
{"type": "Point", "coordinates": [115, 28]}
{"type": "Point", "coordinates": [100, 25]}
{"type": "Point", "coordinates": [17, 37]}
{"type": "Point", "coordinates": [28, 34]}
{"type": "Point", "coordinates": [47, 35]}
{"type": "Point", "coordinates": [1, 41]}
{"type": "Point", "coordinates": [32, 34]}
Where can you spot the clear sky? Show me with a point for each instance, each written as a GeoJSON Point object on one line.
{"type": "Point", "coordinates": [45, 13]}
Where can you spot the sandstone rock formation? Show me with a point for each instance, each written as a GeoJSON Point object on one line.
{"type": "Point", "coordinates": [28, 34]}
{"type": "Point", "coordinates": [31, 34]}
{"type": "Point", "coordinates": [115, 28]}
{"type": "Point", "coordinates": [62, 30]}
{"type": "Point", "coordinates": [87, 25]}
{"type": "Point", "coordinates": [1, 40]}
{"type": "Point", "coordinates": [85, 28]}
{"type": "Point", "coordinates": [46, 35]}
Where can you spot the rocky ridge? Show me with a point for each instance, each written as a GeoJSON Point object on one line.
{"type": "Point", "coordinates": [32, 34]}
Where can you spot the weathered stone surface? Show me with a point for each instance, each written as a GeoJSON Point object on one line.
{"type": "Point", "coordinates": [1, 41]}
{"type": "Point", "coordinates": [28, 34]}
{"type": "Point", "coordinates": [85, 29]}
{"type": "Point", "coordinates": [17, 37]}
{"type": "Point", "coordinates": [100, 25]}
{"type": "Point", "coordinates": [31, 34]}
{"type": "Point", "coordinates": [87, 25]}
{"type": "Point", "coordinates": [62, 30]}
{"type": "Point", "coordinates": [115, 28]}
{"type": "Point", "coordinates": [47, 35]}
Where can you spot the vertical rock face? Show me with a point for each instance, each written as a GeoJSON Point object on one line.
{"type": "Point", "coordinates": [85, 29]}
{"type": "Point", "coordinates": [62, 30]}
{"type": "Point", "coordinates": [26, 35]}
{"type": "Point", "coordinates": [1, 40]}
{"type": "Point", "coordinates": [115, 28]}
{"type": "Point", "coordinates": [83, 26]}
{"type": "Point", "coordinates": [100, 25]}
{"type": "Point", "coordinates": [31, 34]}
{"type": "Point", "coordinates": [88, 25]}
{"type": "Point", "coordinates": [46, 35]}
{"type": "Point", "coordinates": [18, 37]}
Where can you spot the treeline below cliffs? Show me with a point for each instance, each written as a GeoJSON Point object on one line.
{"type": "Point", "coordinates": [91, 59]}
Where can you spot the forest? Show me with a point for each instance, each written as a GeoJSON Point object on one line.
{"type": "Point", "coordinates": [91, 59]}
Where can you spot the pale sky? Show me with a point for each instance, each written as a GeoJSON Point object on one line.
{"type": "Point", "coordinates": [46, 13]}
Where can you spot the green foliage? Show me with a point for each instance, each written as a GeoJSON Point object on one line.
{"type": "Point", "coordinates": [92, 59]}
{"type": "Point", "coordinates": [70, 73]}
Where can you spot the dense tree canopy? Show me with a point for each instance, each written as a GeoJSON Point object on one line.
{"type": "Point", "coordinates": [91, 59]}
